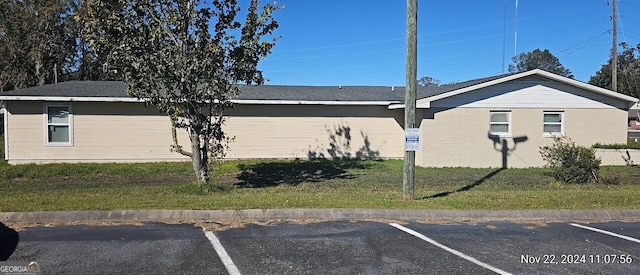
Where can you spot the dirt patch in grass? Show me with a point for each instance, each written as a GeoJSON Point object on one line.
{"type": "Point", "coordinates": [70, 182]}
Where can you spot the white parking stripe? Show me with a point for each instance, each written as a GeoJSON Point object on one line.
{"type": "Point", "coordinates": [222, 253]}
{"type": "Point", "coordinates": [451, 250]}
{"type": "Point", "coordinates": [606, 232]}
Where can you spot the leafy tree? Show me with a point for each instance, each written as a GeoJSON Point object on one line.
{"type": "Point", "coordinates": [36, 46]}
{"type": "Point", "coordinates": [185, 58]}
{"type": "Point", "coordinates": [91, 37]}
{"type": "Point", "coordinates": [88, 66]}
{"type": "Point", "coordinates": [427, 81]}
{"type": "Point", "coordinates": [628, 72]}
{"type": "Point", "coordinates": [538, 59]}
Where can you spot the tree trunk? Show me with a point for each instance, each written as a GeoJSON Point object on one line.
{"type": "Point", "coordinates": [38, 67]}
{"type": "Point", "coordinates": [199, 158]}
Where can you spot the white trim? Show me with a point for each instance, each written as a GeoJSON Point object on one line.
{"type": "Point", "coordinates": [237, 101]}
{"type": "Point", "coordinates": [3, 110]}
{"type": "Point", "coordinates": [553, 134]}
{"type": "Point", "coordinates": [72, 98]}
{"type": "Point", "coordinates": [394, 106]}
{"type": "Point", "coordinates": [311, 102]}
{"type": "Point", "coordinates": [425, 102]}
{"type": "Point", "coordinates": [46, 125]}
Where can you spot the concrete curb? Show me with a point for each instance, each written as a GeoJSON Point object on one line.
{"type": "Point", "coordinates": [318, 214]}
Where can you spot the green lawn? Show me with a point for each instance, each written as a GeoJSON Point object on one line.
{"type": "Point", "coordinates": [2, 161]}
{"type": "Point", "coordinates": [304, 184]}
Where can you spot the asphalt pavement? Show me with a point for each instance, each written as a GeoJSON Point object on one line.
{"type": "Point", "coordinates": [330, 247]}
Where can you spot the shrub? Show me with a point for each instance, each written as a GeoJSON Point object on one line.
{"type": "Point", "coordinates": [631, 144]}
{"type": "Point", "coordinates": [571, 163]}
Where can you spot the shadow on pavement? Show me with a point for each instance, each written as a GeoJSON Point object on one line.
{"type": "Point", "coordinates": [8, 241]}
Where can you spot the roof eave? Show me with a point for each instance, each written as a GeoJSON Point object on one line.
{"type": "Point", "coordinates": [422, 105]}
{"type": "Point", "coordinates": [311, 102]}
{"type": "Point", "coordinates": [70, 98]}
{"type": "Point", "coordinates": [236, 101]}
{"type": "Point", "coordinates": [426, 101]}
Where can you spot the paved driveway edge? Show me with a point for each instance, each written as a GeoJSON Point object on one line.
{"type": "Point", "coordinates": [319, 214]}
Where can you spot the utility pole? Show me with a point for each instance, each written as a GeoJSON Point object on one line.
{"type": "Point", "coordinates": [614, 49]}
{"type": "Point", "coordinates": [408, 178]}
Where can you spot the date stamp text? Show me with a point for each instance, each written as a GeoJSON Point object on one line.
{"type": "Point", "coordinates": [576, 259]}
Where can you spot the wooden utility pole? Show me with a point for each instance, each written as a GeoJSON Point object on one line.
{"type": "Point", "coordinates": [408, 178]}
{"type": "Point", "coordinates": [614, 49]}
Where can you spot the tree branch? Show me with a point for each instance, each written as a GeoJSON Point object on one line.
{"type": "Point", "coordinates": [164, 26]}
{"type": "Point", "coordinates": [176, 147]}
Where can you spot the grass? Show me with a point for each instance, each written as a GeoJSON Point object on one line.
{"type": "Point", "coordinates": [2, 161]}
{"type": "Point", "coordinates": [303, 184]}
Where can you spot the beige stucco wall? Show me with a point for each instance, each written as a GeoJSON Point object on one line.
{"type": "Point", "coordinates": [459, 136]}
{"type": "Point", "coordinates": [619, 156]}
{"type": "Point", "coordinates": [301, 131]}
{"type": "Point", "coordinates": [130, 132]}
{"type": "Point", "coordinates": [102, 132]}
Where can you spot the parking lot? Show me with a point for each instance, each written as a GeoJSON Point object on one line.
{"type": "Point", "coordinates": [333, 247]}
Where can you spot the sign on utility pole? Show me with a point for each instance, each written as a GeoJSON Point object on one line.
{"type": "Point", "coordinates": [408, 178]}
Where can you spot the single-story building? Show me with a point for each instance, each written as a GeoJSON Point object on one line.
{"type": "Point", "coordinates": [498, 121]}
{"type": "Point", "coordinates": [634, 117]}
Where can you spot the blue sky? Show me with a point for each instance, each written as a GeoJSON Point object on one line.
{"type": "Point", "coordinates": [358, 42]}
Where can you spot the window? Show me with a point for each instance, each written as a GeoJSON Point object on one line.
{"type": "Point", "coordinates": [500, 123]}
{"type": "Point", "coordinates": [59, 125]}
{"type": "Point", "coordinates": [552, 124]}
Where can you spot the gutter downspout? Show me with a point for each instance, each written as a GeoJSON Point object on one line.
{"type": "Point", "coordinates": [3, 111]}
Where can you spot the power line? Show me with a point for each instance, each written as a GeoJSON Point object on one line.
{"type": "Point", "coordinates": [389, 70]}
{"type": "Point", "coordinates": [378, 41]}
{"type": "Point", "coordinates": [582, 44]}
{"type": "Point", "coordinates": [629, 4]}
{"type": "Point", "coordinates": [382, 50]}
{"type": "Point", "coordinates": [588, 43]}
{"type": "Point", "coordinates": [629, 18]}
{"type": "Point", "coordinates": [621, 27]}
{"type": "Point", "coordinates": [419, 36]}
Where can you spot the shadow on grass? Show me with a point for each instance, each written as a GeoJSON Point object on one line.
{"type": "Point", "coordinates": [466, 188]}
{"type": "Point", "coordinates": [293, 173]}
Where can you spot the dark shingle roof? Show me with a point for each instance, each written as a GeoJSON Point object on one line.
{"type": "Point", "coordinates": [74, 89]}
{"type": "Point", "coordinates": [321, 93]}
{"type": "Point", "coordinates": [117, 89]}
{"type": "Point", "coordinates": [456, 86]}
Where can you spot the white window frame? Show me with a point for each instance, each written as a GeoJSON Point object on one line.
{"type": "Point", "coordinates": [47, 124]}
{"type": "Point", "coordinates": [553, 134]}
{"type": "Point", "coordinates": [508, 123]}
